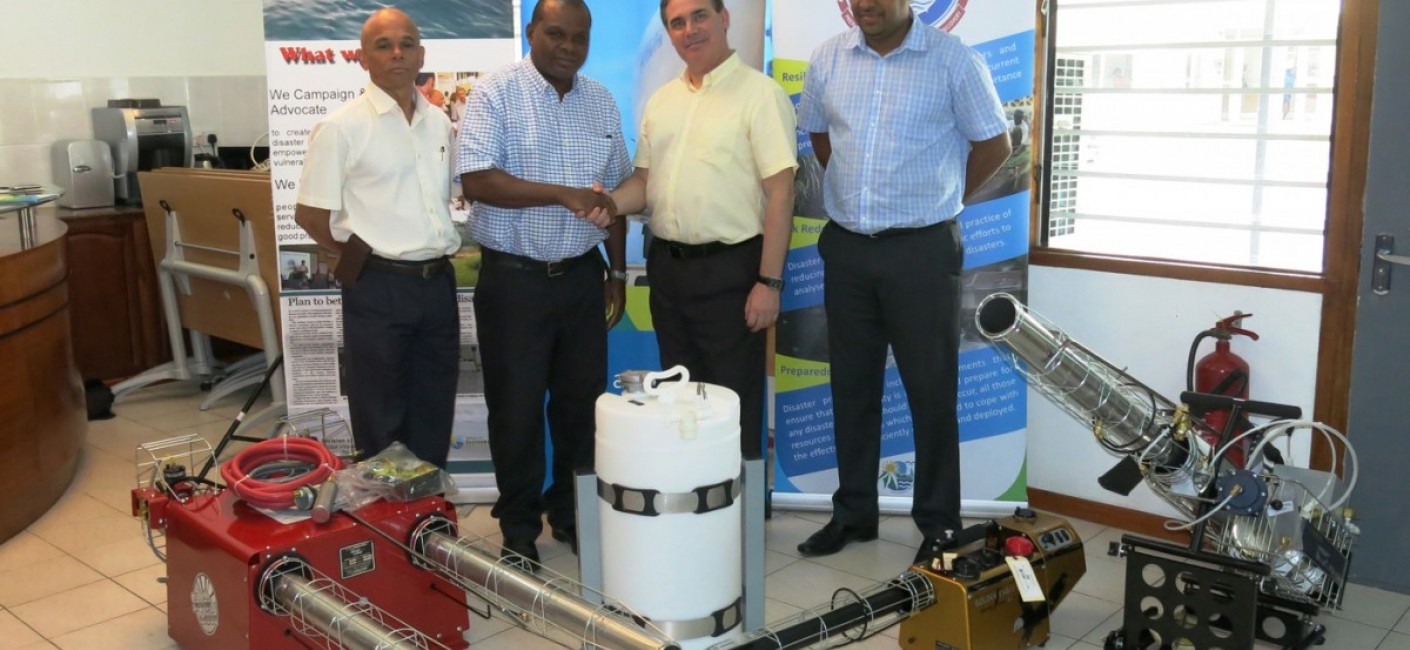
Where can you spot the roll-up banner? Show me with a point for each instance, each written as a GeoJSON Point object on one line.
{"type": "Point", "coordinates": [992, 399]}
{"type": "Point", "coordinates": [632, 56]}
{"type": "Point", "coordinates": [311, 59]}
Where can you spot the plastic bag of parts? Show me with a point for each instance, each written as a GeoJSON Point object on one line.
{"type": "Point", "coordinates": [395, 474]}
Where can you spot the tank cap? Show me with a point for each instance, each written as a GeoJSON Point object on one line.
{"type": "Point", "coordinates": [632, 382]}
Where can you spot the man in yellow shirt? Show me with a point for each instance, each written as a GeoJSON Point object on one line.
{"type": "Point", "coordinates": [714, 168]}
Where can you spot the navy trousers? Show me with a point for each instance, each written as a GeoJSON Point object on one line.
{"type": "Point", "coordinates": [902, 291]}
{"type": "Point", "coordinates": [401, 338]}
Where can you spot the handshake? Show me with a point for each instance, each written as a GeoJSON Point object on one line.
{"type": "Point", "coordinates": [593, 205]}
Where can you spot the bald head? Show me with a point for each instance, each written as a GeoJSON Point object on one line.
{"type": "Point", "coordinates": [388, 16]}
{"type": "Point", "coordinates": [391, 50]}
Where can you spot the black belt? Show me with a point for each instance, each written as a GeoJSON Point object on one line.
{"type": "Point", "coordinates": [424, 269]}
{"type": "Point", "coordinates": [696, 251]}
{"type": "Point", "coordinates": [895, 232]}
{"type": "Point", "coordinates": [551, 269]}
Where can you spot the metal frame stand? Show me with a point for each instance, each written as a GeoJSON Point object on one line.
{"type": "Point", "coordinates": [1178, 598]}
{"type": "Point", "coordinates": [174, 273]}
{"type": "Point", "coordinates": [752, 509]}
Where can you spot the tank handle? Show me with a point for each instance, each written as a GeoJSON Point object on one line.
{"type": "Point", "coordinates": [667, 393]}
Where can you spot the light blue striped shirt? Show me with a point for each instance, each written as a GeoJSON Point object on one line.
{"type": "Point", "coordinates": [515, 122]}
{"type": "Point", "coordinates": [900, 126]}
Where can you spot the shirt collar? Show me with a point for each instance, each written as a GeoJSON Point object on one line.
{"type": "Point", "coordinates": [729, 65]}
{"type": "Point", "coordinates": [383, 102]}
{"type": "Point", "coordinates": [915, 39]}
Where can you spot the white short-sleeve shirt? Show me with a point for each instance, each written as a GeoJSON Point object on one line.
{"type": "Point", "coordinates": [384, 178]}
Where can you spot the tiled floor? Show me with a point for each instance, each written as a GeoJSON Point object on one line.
{"type": "Point", "coordinates": [81, 577]}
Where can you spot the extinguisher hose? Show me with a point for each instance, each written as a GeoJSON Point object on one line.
{"type": "Point", "coordinates": [267, 473]}
{"type": "Point", "coordinates": [1190, 365]}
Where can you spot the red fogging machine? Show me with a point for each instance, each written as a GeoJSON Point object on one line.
{"type": "Point", "coordinates": [270, 559]}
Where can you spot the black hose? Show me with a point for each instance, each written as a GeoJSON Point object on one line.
{"type": "Point", "coordinates": [1190, 365]}
{"type": "Point", "coordinates": [240, 417]}
{"type": "Point", "coordinates": [850, 620]}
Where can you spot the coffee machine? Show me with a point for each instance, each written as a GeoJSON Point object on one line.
{"type": "Point", "coordinates": [144, 135]}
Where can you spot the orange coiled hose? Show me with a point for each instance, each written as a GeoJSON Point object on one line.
{"type": "Point", "coordinates": [240, 472]}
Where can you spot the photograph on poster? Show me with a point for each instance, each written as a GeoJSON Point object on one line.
{"type": "Point", "coordinates": [305, 267]}
{"type": "Point", "coordinates": [342, 20]}
{"type": "Point", "coordinates": [1013, 175]}
{"type": "Point", "coordinates": [808, 187]}
{"type": "Point", "coordinates": [802, 333]}
{"type": "Point", "coordinates": [448, 91]}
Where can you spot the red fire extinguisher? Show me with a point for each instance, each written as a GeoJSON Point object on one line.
{"type": "Point", "coordinates": [1221, 372]}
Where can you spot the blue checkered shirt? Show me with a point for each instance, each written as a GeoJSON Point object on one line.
{"type": "Point", "coordinates": [515, 122]}
{"type": "Point", "coordinates": [900, 126]}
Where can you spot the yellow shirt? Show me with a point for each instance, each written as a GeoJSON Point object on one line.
{"type": "Point", "coordinates": [708, 148]}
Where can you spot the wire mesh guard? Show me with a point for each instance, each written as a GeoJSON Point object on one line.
{"type": "Point", "coordinates": [152, 460]}
{"type": "Point", "coordinates": [329, 614]}
{"type": "Point", "coordinates": [1307, 547]}
{"type": "Point", "coordinates": [544, 602]}
{"type": "Point", "coordinates": [324, 425]}
{"type": "Point", "coordinates": [850, 617]}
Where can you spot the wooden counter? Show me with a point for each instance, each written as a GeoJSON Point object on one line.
{"type": "Point", "coordinates": [43, 417]}
{"type": "Point", "coordinates": [115, 304]}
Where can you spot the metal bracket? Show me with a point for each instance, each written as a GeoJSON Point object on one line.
{"type": "Point", "coordinates": [1380, 267]}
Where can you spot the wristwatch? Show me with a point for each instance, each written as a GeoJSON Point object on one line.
{"type": "Point", "coordinates": [773, 283]}
{"type": "Point", "coordinates": [614, 274]}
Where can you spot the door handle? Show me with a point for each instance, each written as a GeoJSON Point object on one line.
{"type": "Point", "coordinates": [1380, 267]}
{"type": "Point", "coordinates": [82, 169]}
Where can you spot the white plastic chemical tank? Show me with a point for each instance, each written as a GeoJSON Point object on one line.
{"type": "Point", "coordinates": [668, 468]}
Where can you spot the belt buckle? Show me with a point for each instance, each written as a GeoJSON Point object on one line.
{"type": "Point", "coordinates": [676, 250]}
{"type": "Point", "coordinates": [556, 269]}
{"type": "Point", "coordinates": [429, 271]}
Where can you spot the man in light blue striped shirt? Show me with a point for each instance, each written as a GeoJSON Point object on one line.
{"type": "Point", "coordinates": [906, 122]}
{"type": "Point", "coordinates": [536, 136]}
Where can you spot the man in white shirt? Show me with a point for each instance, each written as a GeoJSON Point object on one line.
{"type": "Point", "coordinates": [376, 191]}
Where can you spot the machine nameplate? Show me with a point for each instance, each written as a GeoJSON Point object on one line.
{"type": "Point", "coordinates": [204, 604]}
{"type": "Point", "coordinates": [357, 559]}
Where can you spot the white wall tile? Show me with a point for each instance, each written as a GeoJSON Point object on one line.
{"type": "Point", "coordinates": [61, 111]}
{"type": "Point", "coordinates": [170, 90]}
{"type": "Point", "coordinates": [25, 163]}
{"type": "Point", "coordinates": [98, 90]}
{"type": "Point", "coordinates": [205, 107]}
{"type": "Point", "coordinates": [16, 111]}
{"type": "Point", "coordinates": [35, 113]}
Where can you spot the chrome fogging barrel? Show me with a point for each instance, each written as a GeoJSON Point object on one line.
{"type": "Point", "coordinates": [1126, 416]}
{"type": "Point", "coordinates": [1287, 517]}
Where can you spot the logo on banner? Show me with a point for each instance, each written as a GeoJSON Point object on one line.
{"type": "Point", "coordinates": [944, 14]}
{"type": "Point", "coordinates": [897, 475]}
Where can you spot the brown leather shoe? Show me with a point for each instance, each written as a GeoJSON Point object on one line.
{"type": "Point", "coordinates": [833, 537]}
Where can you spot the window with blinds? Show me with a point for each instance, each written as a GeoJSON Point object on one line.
{"type": "Point", "coordinates": [1191, 130]}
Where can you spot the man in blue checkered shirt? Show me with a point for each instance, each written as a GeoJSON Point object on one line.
{"type": "Point", "coordinates": [535, 137]}
{"type": "Point", "coordinates": [906, 122]}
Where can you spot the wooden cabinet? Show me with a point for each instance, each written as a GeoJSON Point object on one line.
{"type": "Point", "coordinates": [114, 301]}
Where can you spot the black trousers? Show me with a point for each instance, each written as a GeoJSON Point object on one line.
{"type": "Point", "coordinates": [697, 309]}
{"type": "Point", "coordinates": [901, 290]}
{"type": "Point", "coordinates": [540, 335]}
{"type": "Point", "coordinates": [401, 340]}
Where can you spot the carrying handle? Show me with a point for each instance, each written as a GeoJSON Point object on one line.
{"type": "Point", "coordinates": [654, 380]}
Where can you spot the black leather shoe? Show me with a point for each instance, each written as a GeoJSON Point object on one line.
{"type": "Point", "coordinates": [833, 537]}
{"type": "Point", "coordinates": [517, 551]}
{"type": "Point", "coordinates": [934, 547]}
{"type": "Point", "coordinates": [566, 534]}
